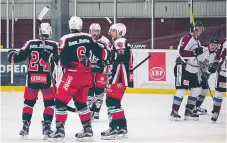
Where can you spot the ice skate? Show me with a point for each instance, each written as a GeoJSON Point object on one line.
{"type": "Point", "coordinates": [189, 115]}
{"type": "Point", "coordinates": [122, 133]}
{"type": "Point", "coordinates": [201, 111]}
{"type": "Point", "coordinates": [110, 134]}
{"type": "Point", "coordinates": [57, 136]}
{"type": "Point", "coordinates": [214, 117]}
{"type": "Point", "coordinates": [85, 136]}
{"type": "Point", "coordinates": [174, 116]}
{"type": "Point", "coordinates": [47, 132]}
{"type": "Point", "coordinates": [25, 130]}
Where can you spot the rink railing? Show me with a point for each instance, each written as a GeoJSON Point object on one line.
{"type": "Point", "coordinates": [155, 76]}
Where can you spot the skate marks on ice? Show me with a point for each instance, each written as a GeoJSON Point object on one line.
{"type": "Point", "coordinates": [147, 118]}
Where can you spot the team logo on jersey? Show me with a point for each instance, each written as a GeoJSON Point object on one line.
{"type": "Point", "coordinates": [157, 66]}
{"type": "Point", "coordinates": [39, 78]}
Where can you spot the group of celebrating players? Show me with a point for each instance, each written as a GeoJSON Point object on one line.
{"type": "Point", "coordinates": [94, 66]}
{"type": "Point", "coordinates": [194, 65]}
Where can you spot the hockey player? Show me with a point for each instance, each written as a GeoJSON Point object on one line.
{"type": "Point", "coordinates": [41, 53]}
{"type": "Point", "coordinates": [75, 49]}
{"type": "Point", "coordinates": [100, 73]}
{"type": "Point", "coordinates": [206, 58]}
{"type": "Point", "coordinates": [186, 70]}
{"type": "Point", "coordinates": [221, 67]}
{"type": "Point", "coordinates": [121, 78]}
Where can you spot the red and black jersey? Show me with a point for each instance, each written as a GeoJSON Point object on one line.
{"type": "Point", "coordinates": [39, 71]}
{"type": "Point", "coordinates": [123, 56]}
{"type": "Point", "coordinates": [75, 50]}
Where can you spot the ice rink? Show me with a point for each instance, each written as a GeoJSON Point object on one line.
{"type": "Point", "coordinates": [147, 116]}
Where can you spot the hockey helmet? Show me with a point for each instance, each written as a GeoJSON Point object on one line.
{"type": "Point", "coordinates": [120, 28]}
{"type": "Point", "coordinates": [45, 30]}
{"type": "Point", "coordinates": [198, 24]}
{"type": "Point", "coordinates": [213, 43]}
{"type": "Point", "coordinates": [95, 30]}
{"type": "Point", "coordinates": [214, 39]}
{"type": "Point", "coordinates": [75, 23]}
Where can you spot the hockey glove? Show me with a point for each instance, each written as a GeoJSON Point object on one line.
{"type": "Point", "coordinates": [213, 67]}
{"type": "Point", "coordinates": [205, 76]}
{"type": "Point", "coordinates": [198, 51]}
{"type": "Point", "coordinates": [101, 63]}
{"type": "Point", "coordinates": [11, 53]}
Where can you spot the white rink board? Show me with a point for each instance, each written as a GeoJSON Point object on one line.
{"type": "Point", "coordinates": [141, 74]}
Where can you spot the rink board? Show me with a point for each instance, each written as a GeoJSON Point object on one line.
{"type": "Point", "coordinates": [155, 76]}
{"type": "Point", "coordinates": [148, 91]}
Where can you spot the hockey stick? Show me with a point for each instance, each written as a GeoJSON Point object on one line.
{"type": "Point", "coordinates": [12, 44]}
{"type": "Point", "coordinates": [193, 22]}
{"type": "Point", "coordinates": [141, 63]}
{"type": "Point", "coordinates": [40, 18]}
{"type": "Point", "coordinates": [43, 13]}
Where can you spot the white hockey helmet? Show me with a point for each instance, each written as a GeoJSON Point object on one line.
{"type": "Point", "coordinates": [76, 23]}
{"type": "Point", "coordinates": [94, 26]}
{"type": "Point", "coordinates": [45, 29]}
{"type": "Point", "coordinates": [95, 30]}
{"type": "Point", "coordinates": [120, 28]}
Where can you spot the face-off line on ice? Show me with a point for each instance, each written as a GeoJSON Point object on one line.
{"type": "Point", "coordinates": [96, 70]}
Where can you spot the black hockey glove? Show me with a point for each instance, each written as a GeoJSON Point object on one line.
{"type": "Point", "coordinates": [101, 63]}
{"type": "Point", "coordinates": [213, 67]}
{"type": "Point", "coordinates": [205, 77]}
{"type": "Point", "coordinates": [10, 54]}
{"type": "Point", "coordinates": [198, 51]}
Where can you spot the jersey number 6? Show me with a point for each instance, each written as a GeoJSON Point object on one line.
{"type": "Point", "coordinates": [81, 52]}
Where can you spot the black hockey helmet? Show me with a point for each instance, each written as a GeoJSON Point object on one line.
{"type": "Point", "coordinates": [198, 24]}
{"type": "Point", "coordinates": [214, 39]}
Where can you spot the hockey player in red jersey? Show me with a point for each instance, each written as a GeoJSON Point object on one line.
{"type": "Point", "coordinates": [99, 73]}
{"type": "Point", "coordinates": [206, 58]}
{"type": "Point", "coordinates": [41, 54]}
{"type": "Point", "coordinates": [186, 70]}
{"type": "Point", "coordinates": [121, 78]}
{"type": "Point", "coordinates": [220, 65]}
{"type": "Point", "coordinates": [75, 49]}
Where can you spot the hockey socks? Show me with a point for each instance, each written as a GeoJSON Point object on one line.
{"type": "Point", "coordinates": [61, 113]}
{"type": "Point", "coordinates": [49, 110]}
{"type": "Point", "coordinates": [28, 110]}
{"type": "Point", "coordinates": [191, 102]}
{"type": "Point", "coordinates": [176, 103]}
{"type": "Point", "coordinates": [201, 97]}
{"type": "Point", "coordinates": [200, 100]}
{"type": "Point", "coordinates": [218, 101]}
{"type": "Point", "coordinates": [177, 99]}
{"type": "Point", "coordinates": [117, 114]}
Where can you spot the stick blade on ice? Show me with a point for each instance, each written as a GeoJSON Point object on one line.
{"type": "Point", "coordinates": [43, 13]}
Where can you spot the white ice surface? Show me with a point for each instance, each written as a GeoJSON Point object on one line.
{"type": "Point", "coordinates": [147, 117]}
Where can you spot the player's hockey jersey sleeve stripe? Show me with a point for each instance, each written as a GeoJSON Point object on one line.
{"type": "Point", "coordinates": [219, 51]}
{"type": "Point", "coordinates": [54, 42]}
{"type": "Point", "coordinates": [104, 54]}
{"type": "Point", "coordinates": [184, 47]}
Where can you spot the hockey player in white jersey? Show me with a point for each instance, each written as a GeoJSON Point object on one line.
{"type": "Point", "coordinates": [221, 66]}
{"type": "Point", "coordinates": [99, 72]}
{"type": "Point", "coordinates": [186, 70]}
{"type": "Point", "coordinates": [205, 59]}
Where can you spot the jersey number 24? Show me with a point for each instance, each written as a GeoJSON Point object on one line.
{"type": "Point", "coordinates": [35, 62]}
